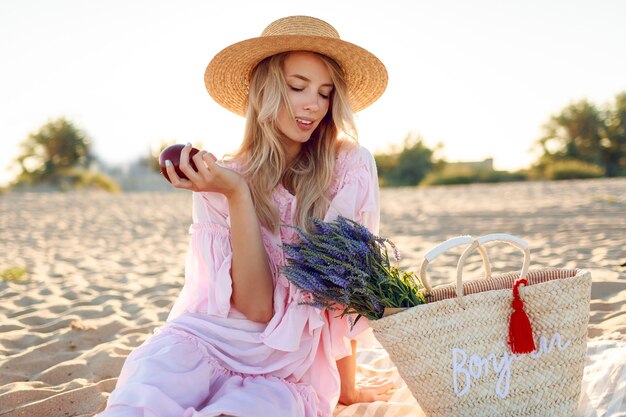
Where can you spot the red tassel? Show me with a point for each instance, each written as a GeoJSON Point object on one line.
{"type": "Point", "coordinates": [520, 332]}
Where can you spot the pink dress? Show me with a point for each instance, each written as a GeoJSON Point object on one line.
{"type": "Point", "coordinates": [208, 359]}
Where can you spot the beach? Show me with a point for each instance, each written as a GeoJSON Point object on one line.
{"type": "Point", "coordinates": [103, 270]}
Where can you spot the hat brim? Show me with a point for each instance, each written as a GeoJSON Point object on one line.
{"type": "Point", "coordinates": [227, 75]}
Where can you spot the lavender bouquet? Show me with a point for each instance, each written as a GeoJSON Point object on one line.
{"type": "Point", "coordinates": [343, 266]}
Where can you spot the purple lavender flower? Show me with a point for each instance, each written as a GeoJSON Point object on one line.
{"type": "Point", "coordinates": [293, 252]}
{"type": "Point", "coordinates": [337, 280]}
{"type": "Point", "coordinates": [343, 263]}
{"type": "Point", "coordinates": [322, 226]}
{"type": "Point", "coordinates": [396, 252]}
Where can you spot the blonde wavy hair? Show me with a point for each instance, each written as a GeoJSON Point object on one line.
{"type": "Point", "coordinates": [262, 157]}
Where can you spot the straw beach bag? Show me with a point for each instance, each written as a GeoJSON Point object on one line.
{"type": "Point", "coordinates": [459, 354]}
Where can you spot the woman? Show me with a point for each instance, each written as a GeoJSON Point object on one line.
{"type": "Point", "coordinates": [238, 340]}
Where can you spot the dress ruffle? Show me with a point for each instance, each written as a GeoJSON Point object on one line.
{"type": "Point", "coordinates": [191, 382]}
{"type": "Point", "coordinates": [297, 348]}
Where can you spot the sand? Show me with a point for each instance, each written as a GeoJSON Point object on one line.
{"type": "Point", "coordinates": [104, 269]}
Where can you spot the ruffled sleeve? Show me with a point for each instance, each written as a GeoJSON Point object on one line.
{"type": "Point", "coordinates": [356, 198]}
{"type": "Point", "coordinates": [208, 283]}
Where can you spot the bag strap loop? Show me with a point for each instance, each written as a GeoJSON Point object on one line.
{"type": "Point", "coordinates": [478, 243]}
{"type": "Point", "coordinates": [447, 245]}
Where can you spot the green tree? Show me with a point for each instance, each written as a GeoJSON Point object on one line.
{"type": "Point", "coordinates": [584, 133]}
{"type": "Point", "coordinates": [407, 167]}
{"type": "Point", "coordinates": [385, 164]}
{"type": "Point", "coordinates": [574, 133]}
{"type": "Point", "coordinates": [55, 148]}
{"type": "Point", "coordinates": [614, 149]}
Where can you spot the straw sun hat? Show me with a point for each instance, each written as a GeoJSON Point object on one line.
{"type": "Point", "coordinates": [227, 75]}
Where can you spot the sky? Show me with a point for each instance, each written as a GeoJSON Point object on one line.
{"type": "Point", "coordinates": [480, 77]}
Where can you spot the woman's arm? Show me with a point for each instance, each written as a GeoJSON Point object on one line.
{"type": "Point", "coordinates": [253, 286]}
{"type": "Point", "coordinates": [252, 283]}
{"type": "Point", "coordinates": [347, 373]}
{"type": "Point", "coordinates": [367, 392]}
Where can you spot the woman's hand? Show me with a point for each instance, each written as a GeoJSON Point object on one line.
{"type": "Point", "coordinates": [209, 176]}
{"type": "Point", "coordinates": [367, 391]}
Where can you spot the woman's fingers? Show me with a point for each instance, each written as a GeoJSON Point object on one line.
{"type": "Point", "coordinates": [185, 165]}
{"type": "Point", "coordinates": [207, 168]}
{"type": "Point", "coordinates": [207, 159]}
{"type": "Point", "coordinates": [380, 387]}
{"type": "Point", "coordinates": [208, 174]}
{"type": "Point", "coordinates": [375, 389]}
{"type": "Point", "coordinates": [175, 180]}
{"type": "Point", "coordinates": [202, 178]}
{"type": "Point", "coordinates": [389, 385]}
{"type": "Point", "coordinates": [203, 159]}
{"type": "Point", "coordinates": [370, 394]}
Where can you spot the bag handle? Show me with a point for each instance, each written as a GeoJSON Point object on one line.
{"type": "Point", "coordinates": [447, 245]}
{"type": "Point", "coordinates": [478, 244]}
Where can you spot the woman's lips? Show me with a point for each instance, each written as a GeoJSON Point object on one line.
{"type": "Point", "coordinates": [304, 123]}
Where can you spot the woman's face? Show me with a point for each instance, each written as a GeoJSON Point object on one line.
{"type": "Point", "coordinates": [309, 86]}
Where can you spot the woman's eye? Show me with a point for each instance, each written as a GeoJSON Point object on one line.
{"type": "Point", "coordinates": [324, 96]}
{"type": "Point", "coordinates": [295, 88]}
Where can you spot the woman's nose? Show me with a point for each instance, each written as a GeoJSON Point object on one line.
{"type": "Point", "coordinates": [312, 104]}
